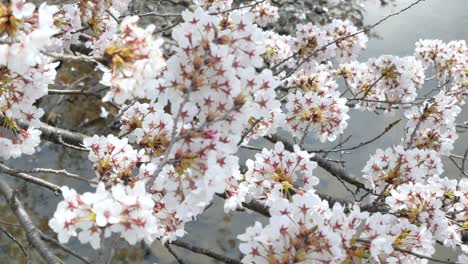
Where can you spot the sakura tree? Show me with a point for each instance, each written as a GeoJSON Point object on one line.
{"type": "Point", "coordinates": [191, 97]}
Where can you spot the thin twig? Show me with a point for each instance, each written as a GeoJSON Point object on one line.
{"type": "Point", "coordinates": [64, 248]}
{"type": "Point", "coordinates": [388, 128]}
{"type": "Point", "coordinates": [168, 247]}
{"type": "Point", "coordinates": [60, 141]}
{"type": "Point", "coordinates": [26, 177]}
{"type": "Point", "coordinates": [31, 231]}
{"type": "Point", "coordinates": [59, 172]}
{"type": "Point", "coordinates": [205, 252]}
{"type": "Point", "coordinates": [10, 236]}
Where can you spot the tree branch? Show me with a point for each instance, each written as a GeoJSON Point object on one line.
{"type": "Point", "coordinates": [59, 172]}
{"type": "Point", "coordinates": [55, 135]}
{"type": "Point", "coordinates": [390, 126]}
{"type": "Point", "coordinates": [32, 234]}
{"type": "Point", "coordinates": [26, 177]}
{"type": "Point", "coordinates": [205, 252]}
{"type": "Point", "coordinates": [253, 205]}
{"type": "Point", "coordinates": [10, 236]}
{"type": "Point", "coordinates": [179, 260]}
{"type": "Point", "coordinates": [64, 248]}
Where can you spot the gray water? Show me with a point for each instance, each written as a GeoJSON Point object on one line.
{"type": "Point", "coordinates": [446, 20]}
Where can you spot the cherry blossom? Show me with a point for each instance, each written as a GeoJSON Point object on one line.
{"type": "Point", "coordinates": [100, 17]}
{"type": "Point", "coordinates": [25, 73]}
{"type": "Point", "coordinates": [431, 126]}
{"type": "Point", "coordinates": [383, 81]}
{"type": "Point", "coordinates": [264, 12]}
{"type": "Point", "coordinates": [326, 116]}
{"type": "Point", "coordinates": [297, 232]}
{"type": "Point", "coordinates": [278, 50]}
{"type": "Point", "coordinates": [445, 57]}
{"type": "Point", "coordinates": [68, 20]}
{"type": "Point", "coordinates": [114, 159]}
{"type": "Point", "coordinates": [420, 203]}
{"type": "Point", "coordinates": [124, 210]}
{"type": "Point", "coordinates": [306, 229]}
{"type": "Point", "coordinates": [395, 166]}
{"type": "Point", "coordinates": [135, 60]}
{"type": "Point", "coordinates": [312, 43]}
{"type": "Point", "coordinates": [266, 126]}
{"type": "Point", "coordinates": [214, 5]}
{"type": "Point", "coordinates": [347, 48]}
{"type": "Point", "coordinates": [320, 80]}
{"type": "Point", "coordinates": [278, 173]}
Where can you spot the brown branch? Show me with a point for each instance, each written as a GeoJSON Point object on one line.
{"type": "Point", "coordinates": [72, 92]}
{"type": "Point", "coordinates": [205, 252]}
{"type": "Point", "coordinates": [253, 205]}
{"type": "Point", "coordinates": [57, 135]}
{"type": "Point", "coordinates": [64, 57]}
{"type": "Point", "coordinates": [32, 233]}
{"type": "Point", "coordinates": [59, 172]}
{"type": "Point", "coordinates": [26, 177]}
{"type": "Point", "coordinates": [179, 260]}
{"type": "Point", "coordinates": [54, 134]}
{"type": "Point", "coordinates": [10, 236]}
{"type": "Point", "coordinates": [422, 256]}
{"type": "Point", "coordinates": [65, 249]}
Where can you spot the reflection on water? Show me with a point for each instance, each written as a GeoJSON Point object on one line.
{"type": "Point", "coordinates": [446, 20]}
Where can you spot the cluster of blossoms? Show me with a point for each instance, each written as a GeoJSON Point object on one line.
{"type": "Point", "coordinates": [124, 209]}
{"type": "Point", "coordinates": [264, 13]}
{"type": "Point", "coordinates": [149, 127]}
{"type": "Point", "coordinates": [204, 98]}
{"type": "Point", "coordinates": [326, 116]}
{"type": "Point", "coordinates": [408, 176]}
{"type": "Point", "coordinates": [433, 203]}
{"type": "Point", "coordinates": [214, 5]}
{"type": "Point", "coordinates": [383, 81]}
{"type": "Point", "coordinates": [449, 61]}
{"type": "Point", "coordinates": [101, 16]}
{"type": "Point", "coordinates": [320, 80]}
{"type": "Point", "coordinates": [318, 107]}
{"type": "Point", "coordinates": [277, 49]}
{"type": "Point", "coordinates": [307, 230]}
{"type": "Point", "coordinates": [136, 61]}
{"type": "Point", "coordinates": [315, 105]}
{"type": "Point", "coordinates": [68, 21]}
{"type": "Point", "coordinates": [339, 39]}
{"type": "Point", "coordinates": [25, 74]}
{"type": "Point", "coordinates": [114, 159]}
{"type": "Point", "coordinates": [274, 175]}
{"type": "Point", "coordinates": [349, 40]}
{"type": "Point", "coordinates": [392, 167]}
{"type": "Point", "coordinates": [432, 126]}
{"type": "Point", "coordinates": [312, 42]}
{"type": "Point", "coordinates": [265, 126]}
{"type": "Point", "coordinates": [178, 146]}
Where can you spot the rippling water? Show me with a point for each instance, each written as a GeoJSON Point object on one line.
{"type": "Point", "coordinates": [446, 20]}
